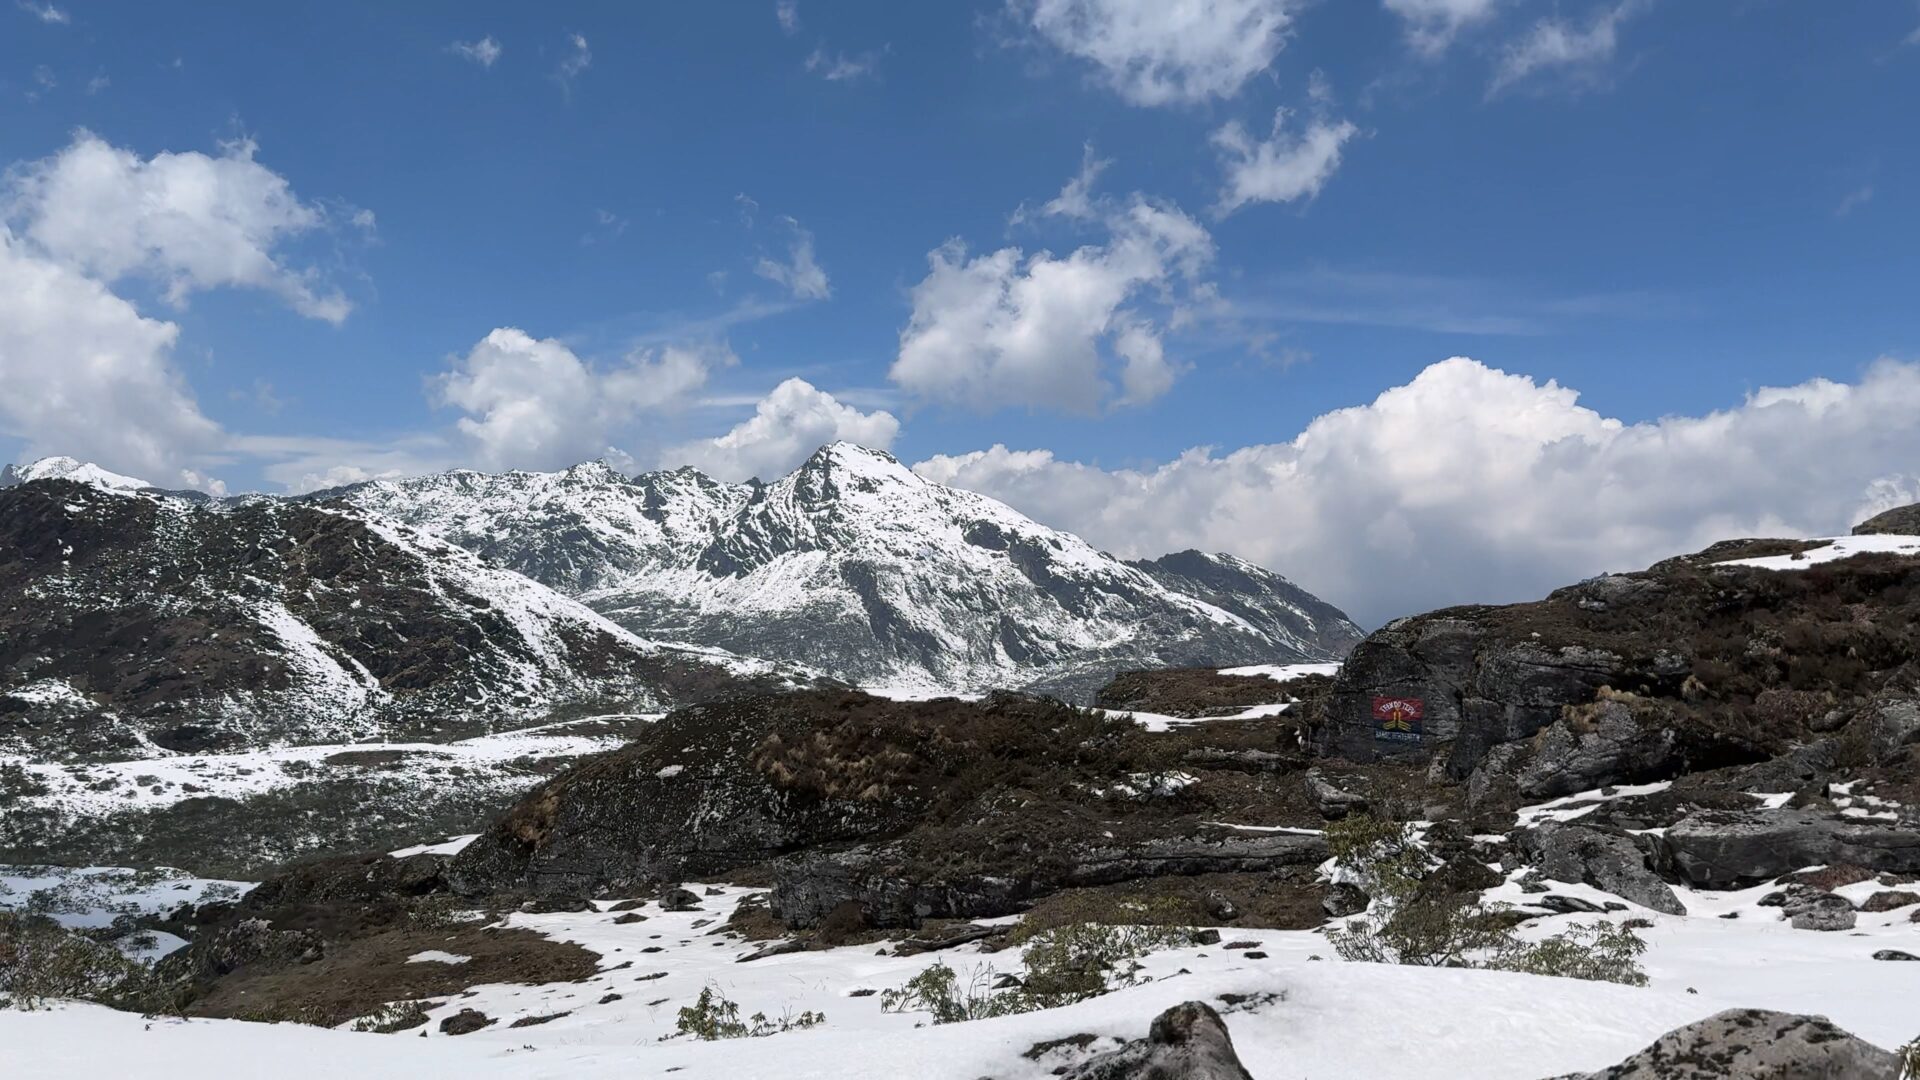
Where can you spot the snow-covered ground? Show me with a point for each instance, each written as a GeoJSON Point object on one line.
{"type": "Point", "coordinates": [151, 783]}
{"type": "Point", "coordinates": [1834, 547]}
{"type": "Point", "coordinates": [1328, 1019]}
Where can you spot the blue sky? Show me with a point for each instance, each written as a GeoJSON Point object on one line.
{"type": "Point", "coordinates": [1666, 206]}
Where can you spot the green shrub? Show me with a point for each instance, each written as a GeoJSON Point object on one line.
{"type": "Point", "coordinates": [714, 1016]}
{"type": "Point", "coordinates": [1411, 922]}
{"type": "Point", "coordinates": [1064, 965]}
{"type": "Point", "coordinates": [41, 960]}
{"type": "Point", "coordinates": [393, 1016]}
{"type": "Point", "coordinates": [1598, 951]}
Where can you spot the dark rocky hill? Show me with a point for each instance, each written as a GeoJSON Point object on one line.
{"type": "Point", "coordinates": [134, 623]}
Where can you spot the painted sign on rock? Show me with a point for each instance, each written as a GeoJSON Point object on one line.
{"type": "Point", "coordinates": [1398, 719]}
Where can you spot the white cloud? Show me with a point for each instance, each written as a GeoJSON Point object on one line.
{"type": "Point", "coordinates": [787, 425]}
{"type": "Point", "coordinates": [839, 67]}
{"type": "Point", "coordinates": [483, 52]}
{"type": "Point", "coordinates": [1280, 168]}
{"type": "Point", "coordinates": [533, 404]}
{"type": "Point", "coordinates": [800, 275]}
{"type": "Point", "coordinates": [46, 13]}
{"type": "Point", "coordinates": [187, 220]}
{"type": "Point", "coordinates": [1854, 200]}
{"type": "Point", "coordinates": [83, 373]}
{"type": "Point", "coordinates": [788, 12]}
{"type": "Point", "coordinates": [1554, 44]}
{"type": "Point", "coordinates": [1076, 198]}
{"type": "Point", "coordinates": [578, 59]}
{"type": "Point", "coordinates": [1161, 52]}
{"type": "Point", "coordinates": [1040, 330]}
{"type": "Point", "coordinates": [1433, 24]}
{"type": "Point", "coordinates": [1469, 484]}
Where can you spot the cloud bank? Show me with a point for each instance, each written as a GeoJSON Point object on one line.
{"type": "Point", "coordinates": [1472, 484]}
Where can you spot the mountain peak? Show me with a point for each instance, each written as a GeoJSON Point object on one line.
{"type": "Point", "coordinates": [60, 467]}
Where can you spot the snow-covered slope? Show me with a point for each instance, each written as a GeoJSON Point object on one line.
{"type": "Point", "coordinates": [66, 468]}
{"type": "Point", "coordinates": [134, 623]}
{"type": "Point", "coordinates": [857, 566]}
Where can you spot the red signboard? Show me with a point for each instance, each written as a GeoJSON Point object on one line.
{"type": "Point", "coordinates": [1398, 718]}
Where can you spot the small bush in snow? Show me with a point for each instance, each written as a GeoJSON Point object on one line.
{"type": "Point", "coordinates": [1598, 951]}
{"type": "Point", "coordinates": [714, 1016]}
{"type": "Point", "coordinates": [1412, 922]}
{"type": "Point", "coordinates": [41, 960]}
{"type": "Point", "coordinates": [1064, 965]}
{"type": "Point", "coordinates": [1910, 1061]}
{"type": "Point", "coordinates": [393, 1016]}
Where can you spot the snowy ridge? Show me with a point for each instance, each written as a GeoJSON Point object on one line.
{"type": "Point", "coordinates": [266, 621]}
{"type": "Point", "coordinates": [66, 468]}
{"type": "Point", "coordinates": [855, 564]}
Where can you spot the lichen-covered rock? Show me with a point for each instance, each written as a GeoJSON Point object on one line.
{"type": "Point", "coordinates": [1731, 849]}
{"type": "Point", "coordinates": [1187, 1042]}
{"type": "Point", "coordinates": [1754, 1044]}
{"type": "Point", "coordinates": [1607, 859]}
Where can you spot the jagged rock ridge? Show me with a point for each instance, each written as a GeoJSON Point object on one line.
{"type": "Point", "coordinates": [857, 566]}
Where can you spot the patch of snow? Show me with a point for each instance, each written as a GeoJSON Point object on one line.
{"type": "Point", "coordinates": [1833, 547]}
{"type": "Point", "coordinates": [668, 772]}
{"type": "Point", "coordinates": [437, 956]}
{"type": "Point", "coordinates": [1283, 672]}
{"type": "Point", "coordinates": [452, 846]}
{"type": "Point", "coordinates": [1580, 804]}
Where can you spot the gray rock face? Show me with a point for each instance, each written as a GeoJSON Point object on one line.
{"type": "Point", "coordinates": [1755, 1044]}
{"type": "Point", "coordinates": [1900, 521]}
{"type": "Point", "coordinates": [858, 567]}
{"type": "Point", "coordinates": [1732, 849]}
{"type": "Point", "coordinates": [1606, 859]}
{"type": "Point", "coordinates": [809, 886]}
{"type": "Point", "coordinates": [1187, 1042]}
{"type": "Point", "coordinates": [1693, 664]}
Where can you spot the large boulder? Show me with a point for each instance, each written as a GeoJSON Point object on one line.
{"type": "Point", "coordinates": [1755, 1044]}
{"type": "Point", "coordinates": [1607, 859]}
{"type": "Point", "coordinates": [1693, 664]}
{"type": "Point", "coordinates": [1187, 1042]}
{"type": "Point", "coordinates": [945, 875]}
{"type": "Point", "coordinates": [1721, 849]}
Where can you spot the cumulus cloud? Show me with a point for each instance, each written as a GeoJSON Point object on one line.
{"type": "Point", "coordinates": [1012, 329]}
{"type": "Point", "coordinates": [788, 12]}
{"type": "Point", "coordinates": [189, 221]}
{"type": "Point", "coordinates": [531, 403]}
{"type": "Point", "coordinates": [1433, 24]}
{"type": "Point", "coordinates": [1555, 44]}
{"type": "Point", "coordinates": [1280, 168]}
{"type": "Point", "coordinates": [800, 274]}
{"type": "Point", "coordinates": [483, 52]}
{"type": "Point", "coordinates": [83, 373]}
{"type": "Point", "coordinates": [1472, 484]}
{"type": "Point", "coordinates": [1158, 52]}
{"type": "Point", "coordinates": [787, 425]}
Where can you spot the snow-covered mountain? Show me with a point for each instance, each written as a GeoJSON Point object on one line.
{"type": "Point", "coordinates": [140, 622]}
{"type": "Point", "coordinates": [66, 468]}
{"type": "Point", "coordinates": [857, 566]}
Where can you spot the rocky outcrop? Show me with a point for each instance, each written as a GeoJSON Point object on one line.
{"type": "Point", "coordinates": [1900, 521]}
{"type": "Point", "coordinates": [1691, 665]}
{"type": "Point", "coordinates": [1755, 1044]}
{"type": "Point", "coordinates": [1607, 859]}
{"type": "Point", "coordinates": [1187, 1042]}
{"type": "Point", "coordinates": [903, 883]}
{"type": "Point", "coordinates": [909, 810]}
{"type": "Point", "coordinates": [1732, 849]}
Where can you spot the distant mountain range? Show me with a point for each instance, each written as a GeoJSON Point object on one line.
{"type": "Point", "coordinates": [855, 565]}
{"type": "Point", "coordinates": [137, 621]}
